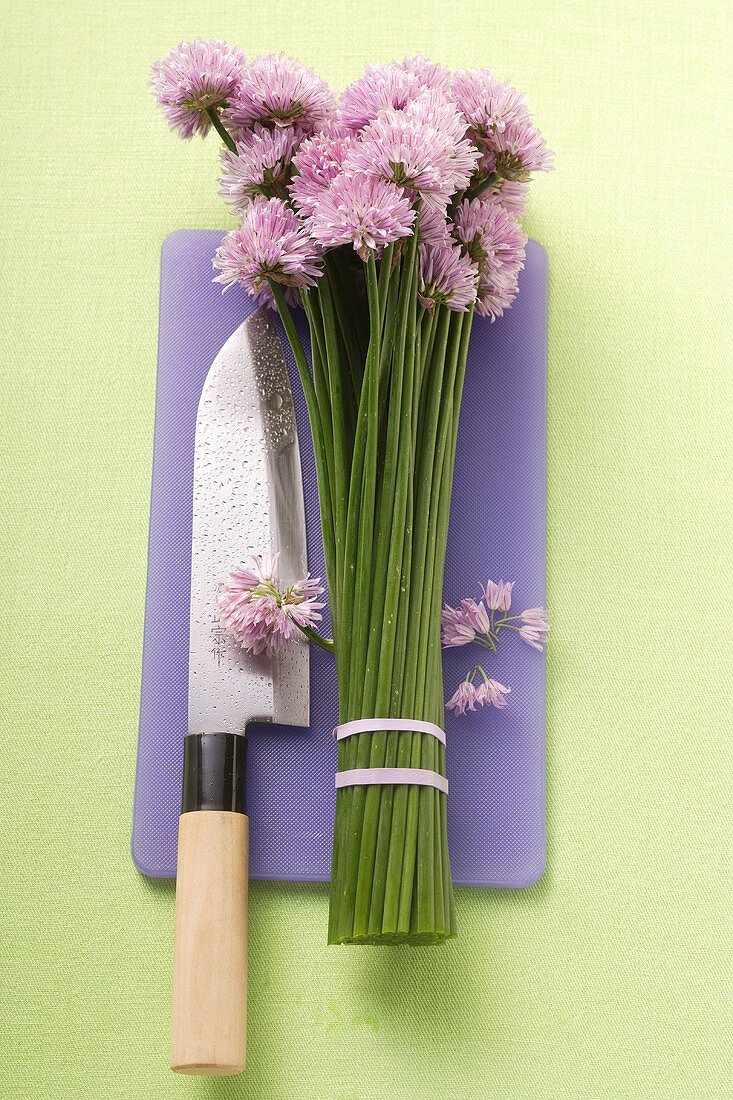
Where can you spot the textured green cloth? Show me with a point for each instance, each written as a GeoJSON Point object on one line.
{"type": "Point", "coordinates": [611, 977]}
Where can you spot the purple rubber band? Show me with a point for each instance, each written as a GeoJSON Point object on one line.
{"type": "Point", "coordinates": [368, 777]}
{"type": "Point", "coordinates": [375, 725]}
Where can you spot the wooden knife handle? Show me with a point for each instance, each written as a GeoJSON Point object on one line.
{"type": "Point", "coordinates": [209, 1032]}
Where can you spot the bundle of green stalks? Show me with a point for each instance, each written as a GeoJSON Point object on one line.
{"type": "Point", "coordinates": [383, 398]}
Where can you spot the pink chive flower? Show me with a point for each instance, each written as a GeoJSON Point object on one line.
{"type": "Point", "coordinates": [261, 615]}
{"type": "Point", "coordinates": [262, 165]}
{"type": "Point", "coordinates": [468, 696]}
{"type": "Point", "coordinates": [461, 625]}
{"type": "Point", "coordinates": [532, 637]}
{"type": "Point", "coordinates": [432, 107]}
{"type": "Point", "coordinates": [192, 77]}
{"type": "Point", "coordinates": [511, 194]}
{"type": "Point", "coordinates": [495, 296]}
{"type": "Point", "coordinates": [279, 91]}
{"type": "Point", "coordinates": [520, 149]}
{"type": "Point", "coordinates": [498, 595]}
{"type": "Point", "coordinates": [495, 241]}
{"type": "Point", "coordinates": [380, 87]}
{"type": "Point", "coordinates": [364, 211]}
{"type": "Point", "coordinates": [490, 236]}
{"type": "Point", "coordinates": [487, 104]}
{"type": "Point", "coordinates": [447, 277]}
{"type": "Point", "coordinates": [429, 73]}
{"type": "Point", "coordinates": [456, 630]}
{"type": "Point", "coordinates": [402, 149]}
{"type": "Point", "coordinates": [433, 225]}
{"type": "Point", "coordinates": [475, 614]}
{"type": "Point", "coordinates": [499, 122]}
{"type": "Point", "coordinates": [534, 627]}
{"type": "Point", "coordinates": [463, 699]}
{"type": "Point", "coordinates": [318, 161]}
{"type": "Point", "coordinates": [492, 693]}
{"type": "Point", "coordinates": [271, 243]}
{"type": "Point", "coordinates": [536, 617]}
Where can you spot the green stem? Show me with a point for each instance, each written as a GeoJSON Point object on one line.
{"type": "Point", "coordinates": [394, 529]}
{"type": "Point", "coordinates": [317, 639]}
{"type": "Point", "coordinates": [408, 744]}
{"type": "Point", "coordinates": [344, 311]}
{"type": "Point", "coordinates": [385, 275]}
{"type": "Point", "coordinates": [417, 869]}
{"type": "Point", "coordinates": [356, 308]}
{"type": "Point", "coordinates": [221, 129]}
{"type": "Point", "coordinates": [341, 457]}
{"type": "Point", "coordinates": [357, 579]}
{"type": "Point", "coordinates": [317, 433]}
{"type": "Point", "coordinates": [368, 491]}
{"type": "Point", "coordinates": [490, 181]}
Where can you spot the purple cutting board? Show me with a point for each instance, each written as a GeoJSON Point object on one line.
{"type": "Point", "coordinates": [496, 759]}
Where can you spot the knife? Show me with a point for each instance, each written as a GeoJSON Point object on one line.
{"type": "Point", "coordinates": [247, 499]}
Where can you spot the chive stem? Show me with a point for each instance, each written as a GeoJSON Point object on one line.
{"type": "Point", "coordinates": [226, 137]}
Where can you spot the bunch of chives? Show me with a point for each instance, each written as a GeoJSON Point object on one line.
{"type": "Point", "coordinates": [383, 400]}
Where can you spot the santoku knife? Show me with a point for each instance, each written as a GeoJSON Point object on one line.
{"type": "Point", "coordinates": [247, 499]}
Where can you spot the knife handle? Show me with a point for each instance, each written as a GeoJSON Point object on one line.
{"type": "Point", "coordinates": [209, 1017]}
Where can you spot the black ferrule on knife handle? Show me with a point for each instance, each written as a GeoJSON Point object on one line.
{"type": "Point", "coordinates": [214, 772]}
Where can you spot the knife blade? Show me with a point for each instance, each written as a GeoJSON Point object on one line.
{"type": "Point", "coordinates": [247, 499]}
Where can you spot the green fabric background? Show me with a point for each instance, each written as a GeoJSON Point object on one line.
{"type": "Point", "coordinates": [611, 977]}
